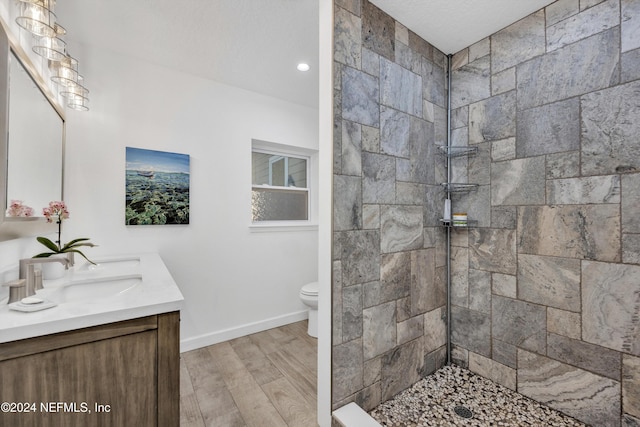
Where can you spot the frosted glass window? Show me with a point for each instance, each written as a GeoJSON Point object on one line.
{"type": "Point", "coordinates": [279, 187]}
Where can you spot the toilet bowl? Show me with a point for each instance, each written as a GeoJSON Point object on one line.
{"type": "Point", "coordinates": [309, 296]}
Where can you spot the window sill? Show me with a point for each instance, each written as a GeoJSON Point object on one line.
{"type": "Point", "coordinates": [288, 226]}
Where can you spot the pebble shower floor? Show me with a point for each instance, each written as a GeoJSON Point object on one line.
{"type": "Point", "coordinates": [431, 402]}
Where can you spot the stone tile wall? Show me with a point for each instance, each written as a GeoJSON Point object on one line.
{"type": "Point", "coordinates": [389, 290]}
{"type": "Point", "coordinates": [547, 290]}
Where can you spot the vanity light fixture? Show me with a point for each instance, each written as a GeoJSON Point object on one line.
{"type": "Point", "coordinates": [37, 17]}
{"type": "Point", "coordinates": [303, 66]}
{"type": "Point", "coordinates": [52, 48]}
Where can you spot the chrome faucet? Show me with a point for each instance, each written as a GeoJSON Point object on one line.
{"type": "Point", "coordinates": [33, 280]}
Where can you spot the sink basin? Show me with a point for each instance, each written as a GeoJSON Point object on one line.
{"type": "Point", "coordinates": [112, 264]}
{"type": "Point", "coordinates": [95, 290]}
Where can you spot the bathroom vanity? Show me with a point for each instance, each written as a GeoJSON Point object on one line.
{"type": "Point", "coordinates": [107, 360]}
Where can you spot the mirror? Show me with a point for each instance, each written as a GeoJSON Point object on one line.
{"type": "Point", "coordinates": [31, 144]}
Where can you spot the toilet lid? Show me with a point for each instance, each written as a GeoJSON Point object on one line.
{"type": "Point", "coordinates": [310, 289]}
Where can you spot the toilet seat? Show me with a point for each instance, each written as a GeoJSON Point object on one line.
{"type": "Point", "coordinates": [310, 289]}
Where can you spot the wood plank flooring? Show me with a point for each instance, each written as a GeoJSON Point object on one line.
{"type": "Point", "coordinates": [267, 379]}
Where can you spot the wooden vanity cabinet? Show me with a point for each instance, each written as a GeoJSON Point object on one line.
{"type": "Point", "coordinates": [118, 374]}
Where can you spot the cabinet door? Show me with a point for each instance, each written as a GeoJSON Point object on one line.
{"type": "Point", "coordinates": [105, 383]}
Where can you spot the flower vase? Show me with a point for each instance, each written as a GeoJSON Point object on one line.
{"type": "Point", "coordinates": [53, 270]}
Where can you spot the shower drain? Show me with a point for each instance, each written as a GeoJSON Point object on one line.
{"type": "Point", "coordinates": [463, 411]}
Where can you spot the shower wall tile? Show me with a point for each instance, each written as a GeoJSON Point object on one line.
{"type": "Point", "coordinates": [563, 165]}
{"type": "Point", "coordinates": [586, 4]}
{"type": "Point", "coordinates": [518, 182]}
{"type": "Point", "coordinates": [480, 291]}
{"type": "Point", "coordinates": [630, 203]}
{"type": "Point", "coordinates": [549, 129]}
{"type": "Point", "coordinates": [630, 66]}
{"type": "Point", "coordinates": [460, 59]}
{"type": "Point", "coordinates": [591, 21]}
{"type": "Point", "coordinates": [630, 25]}
{"type": "Point", "coordinates": [408, 193]}
{"type": "Point", "coordinates": [593, 358]}
{"type": "Point", "coordinates": [519, 323]}
{"type": "Point", "coordinates": [492, 370]}
{"type": "Point", "coordinates": [504, 285]}
{"type": "Point", "coordinates": [630, 421]}
{"type": "Point", "coordinates": [433, 83]}
{"type": "Point", "coordinates": [560, 10]}
{"type": "Point", "coordinates": [401, 228]}
{"type": "Point", "coordinates": [631, 385]}
{"type": "Point", "coordinates": [550, 281]}
{"type": "Point", "coordinates": [407, 58]}
{"type": "Point", "coordinates": [460, 356]}
{"type": "Point", "coordinates": [493, 118]}
{"type": "Point", "coordinates": [471, 330]}
{"type": "Point", "coordinates": [360, 95]}
{"type": "Point", "coordinates": [378, 178]}
{"type": "Point", "coordinates": [352, 312]}
{"type": "Point", "coordinates": [421, 46]}
{"type": "Point", "coordinates": [471, 83]}
{"type": "Point", "coordinates": [336, 303]}
{"type": "Point", "coordinates": [400, 88]}
{"type": "Point", "coordinates": [410, 329]}
{"type": "Point", "coordinates": [610, 301]}
{"type": "Point", "coordinates": [479, 49]}
{"type": "Point", "coordinates": [504, 353]}
{"type": "Point", "coordinates": [503, 217]}
{"type": "Point", "coordinates": [564, 323]}
{"type": "Point", "coordinates": [434, 361]}
{"type": "Point", "coordinates": [504, 81]}
{"type": "Point", "coordinates": [347, 369]}
{"type": "Point", "coordinates": [372, 371]}
{"type": "Point", "coordinates": [347, 38]}
{"type": "Point", "coordinates": [480, 165]}
{"type": "Point", "coordinates": [610, 118]}
{"type": "Point", "coordinates": [631, 248]}
{"type": "Point", "coordinates": [378, 329]}
{"type": "Point", "coordinates": [351, 149]}
{"type": "Point", "coordinates": [590, 398]}
{"type": "Point", "coordinates": [593, 230]}
{"type": "Point", "coordinates": [576, 69]}
{"type": "Point", "coordinates": [492, 249]}
{"type": "Point", "coordinates": [401, 368]}
{"type": "Point", "coordinates": [395, 275]}
{"type": "Point", "coordinates": [518, 42]}
{"type": "Point", "coordinates": [395, 132]}
{"type": "Point", "coordinates": [460, 276]}
{"type": "Point", "coordinates": [426, 292]}
{"type": "Point", "coordinates": [378, 30]}
{"type": "Point", "coordinates": [370, 62]}
{"type": "Point", "coordinates": [435, 329]}
{"type": "Point", "coordinates": [589, 190]}
{"type": "Point", "coordinates": [347, 203]}
{"type": "Point", "coordinates": [352, 6]}
{"type": "Point", "coordinates": [370, 139]}
{"type": "Point", "coordinates": [504, 149]}
{"type": "Point", "coordinates": [402, 33]}
{"type": "Point", "coordinates": [370, 217]}
{"type": "Point", "coordinates": [360, 256]}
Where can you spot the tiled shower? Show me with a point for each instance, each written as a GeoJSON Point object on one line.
{"type": "Point", "coordinates": [545, 287]}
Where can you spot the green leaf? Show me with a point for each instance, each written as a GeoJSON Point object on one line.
{"type": "Point", "coordinates": [49, 244]}
{"type": "Point", "coordinates": [43, 255]}
{"type": "Point", "coordinates": [83, 255]}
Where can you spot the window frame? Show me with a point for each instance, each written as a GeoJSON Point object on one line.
{"type": "Point", "coordinates": [286, 152]}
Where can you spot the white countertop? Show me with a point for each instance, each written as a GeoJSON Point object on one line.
{"type": "Point", "coordinates": [155, 292]}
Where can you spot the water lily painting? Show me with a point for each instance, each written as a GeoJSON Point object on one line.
{"type": "Point", "coordinates": [157, 187]}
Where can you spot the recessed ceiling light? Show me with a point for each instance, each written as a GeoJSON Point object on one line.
{"type": "Point", "coordinates": [303, 67]}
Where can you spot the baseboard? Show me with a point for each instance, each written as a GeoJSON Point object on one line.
{"type": "Point", "coordinates": [240, 331]}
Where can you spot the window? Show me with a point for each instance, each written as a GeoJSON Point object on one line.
{"type": "Point", "coordinates": [280, 186]}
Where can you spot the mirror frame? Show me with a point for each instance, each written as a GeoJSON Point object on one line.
{"type": "Point", "coordinates": [16, 227]}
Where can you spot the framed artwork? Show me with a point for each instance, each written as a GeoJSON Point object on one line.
{"type": "Point", "coordinates": [157, 187]}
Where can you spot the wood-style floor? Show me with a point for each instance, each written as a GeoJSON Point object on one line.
{"type": "Point", "coordinates": [267, 379]}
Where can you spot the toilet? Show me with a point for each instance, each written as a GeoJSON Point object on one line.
{"type": "Point", "coordinates": [309, 296]}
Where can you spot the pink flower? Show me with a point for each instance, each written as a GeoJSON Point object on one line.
{"type": "Point", "coordinates": [16, 208]}
{"type": "Point", "coordinates": [56, 209]}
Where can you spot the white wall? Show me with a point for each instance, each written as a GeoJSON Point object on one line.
{"type": "Point", "coordinates": [234, 281]}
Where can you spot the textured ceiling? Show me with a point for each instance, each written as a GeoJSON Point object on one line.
{"type": "Point", "coordinates": [256, 44]}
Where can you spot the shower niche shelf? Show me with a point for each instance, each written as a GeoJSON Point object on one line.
{"type": "Point", "coordinates": [471, 223]}
{"type": "Point", "coordinates": [457, 150]}
{"type": "Point", "coordinates": [458, 187]}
